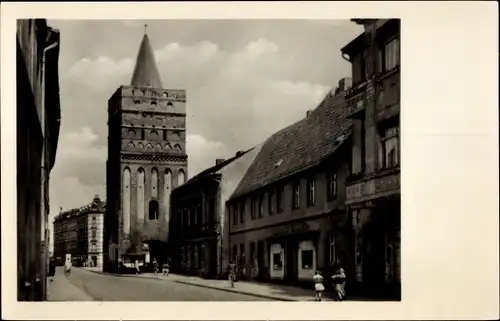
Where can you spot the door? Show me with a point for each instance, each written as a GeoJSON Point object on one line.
{"type": "Point", "coordinates": [94, 261]}
{"type": "Point", "coordinates": [260, 257]}
{"type": "Point", "coordinates": [291, 261]}
{"type": "Point", "coordinates": [373, 256]}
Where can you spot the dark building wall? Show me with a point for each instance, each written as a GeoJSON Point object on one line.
{"type": "Point", "coordinates": [194, 221]}
{"type": "Point", "coordinates": [373, 189]}
{"type": "Point", "coordinates": [38, 116]}
{"type": "Point", "coordinates": [315, 222]}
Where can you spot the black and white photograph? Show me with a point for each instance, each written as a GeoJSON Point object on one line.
{"type": "Point", "coordinates": [215, 160]}
{"type": "Point", "coordinates": [211, 160]}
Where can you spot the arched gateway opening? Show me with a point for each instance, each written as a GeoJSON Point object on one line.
{"type": "Point", "coordinates": [158, 250]}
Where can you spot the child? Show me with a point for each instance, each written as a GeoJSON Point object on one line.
{"type": "Point", "coordinates": [232, 273]}
{"type": "Point", "coordinates": [339, 280]}
{"type": "Point", "coordinates": [318, 285]}
{"type": "Point", "coordinates": [165, 269]}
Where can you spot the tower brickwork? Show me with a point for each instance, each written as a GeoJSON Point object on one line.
{"type": "Point", "coordinates": [146, 159]}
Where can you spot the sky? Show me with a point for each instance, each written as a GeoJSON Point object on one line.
{"type": "Point", "coordinates": [245, 80]}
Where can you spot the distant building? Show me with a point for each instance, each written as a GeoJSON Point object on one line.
{"type": "Point", "coordinates": [373, 190]}
{"type": "Point", "coordinates": [199, 232]}
{"type": "Point", "coordinates": [79, 232]}
{"type": "Point", "coordinates": [287, 215]}
{"type": "Point", "coordinates": [146, 159]}
{"type": "Point", "coordinates": [38, 121]}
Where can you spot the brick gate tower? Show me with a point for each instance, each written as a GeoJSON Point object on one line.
{"type": "Point", "coordinates": [146, 160]}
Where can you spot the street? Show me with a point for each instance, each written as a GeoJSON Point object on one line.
{"type": "Point", "coordinates": [102, 287]}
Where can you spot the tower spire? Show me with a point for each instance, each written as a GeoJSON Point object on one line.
{"type": "Point", "coordinates": [146, 71]}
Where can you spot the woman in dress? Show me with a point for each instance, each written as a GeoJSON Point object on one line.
{"type": "Point", "coordinates": [52, 269]}
{"type": "Point", "coordinates": [318, 285]}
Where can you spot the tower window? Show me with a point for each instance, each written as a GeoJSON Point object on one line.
{"type": "Point", "coordinates": [164, 135]}
{"type": "Point", "coordinates": [142, 134]}
{"type": "Point", "coordinates": [153, 210]}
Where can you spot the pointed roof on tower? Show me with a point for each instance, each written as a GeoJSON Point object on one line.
{"type": "Point", "coordinates": [146, 71]}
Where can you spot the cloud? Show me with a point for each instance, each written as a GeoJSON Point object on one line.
{"type": "Point", "coordinates": [235, 100]}
{"type": "Point", "coordinates": [101, 72]}
{"type": "Point", "coordinates": [202, 153]}
{"type": "Point", "coordinates": [261, 46]}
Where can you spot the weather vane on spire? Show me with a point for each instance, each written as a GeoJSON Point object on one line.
{"type": "Point", "coordinates": [145, 28]}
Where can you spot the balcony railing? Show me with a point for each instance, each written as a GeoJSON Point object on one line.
{"type": "Point", "coordinates": [382, 184]}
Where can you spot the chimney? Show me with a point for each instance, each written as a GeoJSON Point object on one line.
{"type": "Point", "coordinates": [345, 83]}
{"type": "Point", "coordinates": [308, 113]}
{"type": "Point", "coordinates": [218, 161]}
{"type": "Point", "coordinates": [238, 153]}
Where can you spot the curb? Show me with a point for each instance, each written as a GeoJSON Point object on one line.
{"type": "Point", "coordinates": [236, 291]}
{"type": "Point", "coordinates": [200, 285]}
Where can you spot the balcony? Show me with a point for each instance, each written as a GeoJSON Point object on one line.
{"type": "Point", "coordinates": [379, 185]}
{"type": "Point", "coordinates": [388, 95]}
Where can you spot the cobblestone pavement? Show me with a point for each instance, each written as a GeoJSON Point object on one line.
{"type": "Point", "coordinates": [105, 287]}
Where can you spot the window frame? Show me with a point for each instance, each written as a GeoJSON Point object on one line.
{"type": "Point", "coordinates": [311, 191]}
{"type": "Point", "coordinates": [296, 196]}
{"type": "Point", "coordinates": [242, 212]}
{"type": "Point", "coordinates": [280, 199]}
{"type": "Point", "coordinates": [310, 266]}
{"type": "Point", "coordinates": [391, 62]}
{"type": "Point", "coordinates": [332, 192]}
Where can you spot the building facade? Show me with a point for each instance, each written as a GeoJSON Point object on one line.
{"type": "Point", "coordinates": [199, 236]}
{"type": "Point", "coordinates": [373, 190]}
{"type": "Point", "coordinates": [287, 216]}
{"type": "Point", "coordinates": [146, 159]}
{"type": "Point", "coordinates": [79, 232]}
{"type": "Point", "coordinates": [38, 121]}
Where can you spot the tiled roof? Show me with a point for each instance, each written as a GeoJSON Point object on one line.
{"type": "Point", "coordinates": [216, 168]}
{"type": "Point", "coordinates": [146, 72]}
{"type": "Point", "coordinates": [300, 145]}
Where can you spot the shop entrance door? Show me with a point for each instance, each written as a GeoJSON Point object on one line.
{"type": "Point", "coordinates": [291, 261]}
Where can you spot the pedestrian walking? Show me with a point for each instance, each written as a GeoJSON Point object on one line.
{"type": "Point", "coordinates": [166, 268]}
{"type": "Point", "coordinates": [67, 268]}
{"type": "Point", "coordinates": [155, 266]}
{"type": "Point", "coordinates": [318, 285]}
{"type": "Point", "coordinates": [137, 270]}
{"type": "Point", "coordinates": [52, 269]}
{"type": "Point", "coordinates": [339, 281]}
{"type": "Point", "coordinates": [232, 273]}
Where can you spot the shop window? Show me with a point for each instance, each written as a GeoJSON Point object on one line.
{"type": "Point", "coordinates": [311, 192]}
{"type": "Point", "coordinates": [277, 263]}
{"type": "Point", "coordinates": [307, 259]}
{"type": "Point", "coordinates": [332, 186]}
{"type": "Point", "coordinates": [242, 255]}
{"type": "Point", "coordinates": [235, 253]}
{"type": "Point", "coordinates": [296, 196]}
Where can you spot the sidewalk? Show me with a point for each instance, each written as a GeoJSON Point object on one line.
{"type": "Point", "coordinates": [61, 289]}
{"type": "Point", "coordinates": [264, 290]}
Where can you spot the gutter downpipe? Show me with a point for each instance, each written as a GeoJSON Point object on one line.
{"type": "Point", "coordinates": [44, 178]}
